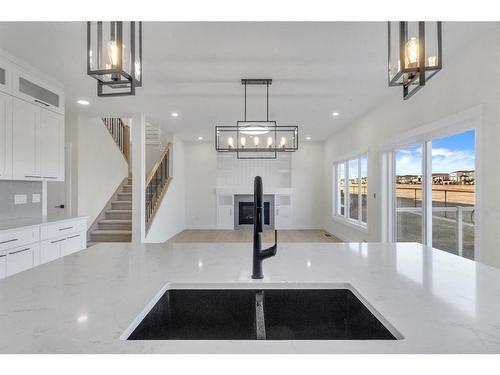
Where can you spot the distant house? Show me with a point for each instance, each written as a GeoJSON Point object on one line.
{"type": "Point", "coordinates": [440, 178]}
{"type": "Point", "coordinates": [409, 179]}
{"type": "Point", "coordinates": [462, 177]}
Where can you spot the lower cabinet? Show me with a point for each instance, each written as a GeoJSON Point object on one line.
{"type": "Point", "coordinates": [3, 264]}
{"type": "Point", "coordinates": [20, 259]}
{"type": "Point", "coordinates": [73, 243]}
{"type": "Point", "coordinates": [51, 250]}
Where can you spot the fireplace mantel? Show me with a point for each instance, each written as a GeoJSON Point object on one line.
{"type": "Point", "coordinates": [249, 190]}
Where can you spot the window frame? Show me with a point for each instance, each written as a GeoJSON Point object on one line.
{"type": "Point", "coordinates": [336, 195]}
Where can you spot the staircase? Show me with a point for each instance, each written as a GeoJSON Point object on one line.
{"type": "Point", "coordinates": [116, 225]}
{"type": "Point", "coordinates": [153, 136]}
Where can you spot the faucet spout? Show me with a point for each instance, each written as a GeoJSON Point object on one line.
{"type": "Point", "coordinates": [260, 254]}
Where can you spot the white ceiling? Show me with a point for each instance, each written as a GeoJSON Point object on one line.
{"type": "Point", "coordinates": [194, 68]}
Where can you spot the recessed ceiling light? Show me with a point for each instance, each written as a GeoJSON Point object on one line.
{"type": "Point", "coordinates": [200, 138]}
{"type": "Point", "coordinates": [308, 138]}
{"type": "Point", "coordinates": [174, 114]}
{"type": "Point", "coordinates": [335, 114]}
{"type": "Point", "coordinates": [83, 102]}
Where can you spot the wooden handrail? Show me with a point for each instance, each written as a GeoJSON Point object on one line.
{"type": "Point", "coordinates": [158, 163]}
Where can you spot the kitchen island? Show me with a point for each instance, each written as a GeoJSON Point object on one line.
{"type": "Point", "coordinates": [84, 302]}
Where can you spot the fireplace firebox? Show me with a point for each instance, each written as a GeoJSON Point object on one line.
{"type": "Point", "coordinates": [243, 209]}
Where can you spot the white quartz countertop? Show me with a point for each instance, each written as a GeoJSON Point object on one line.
{"type": "Point", "coordinates": [7, 224]}
{"type": "Point", "coordinates": [83, 303]}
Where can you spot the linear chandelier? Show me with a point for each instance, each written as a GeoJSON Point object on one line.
{"type": "Point", "coordinates": [415, 54]}
{"type": "Point", "coordinates": [256, 139]}
{"type": "Point", "coordinates": [114, 56]}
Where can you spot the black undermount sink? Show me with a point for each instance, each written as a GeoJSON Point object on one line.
{"type": "Point", "coordinates": [267, 314]}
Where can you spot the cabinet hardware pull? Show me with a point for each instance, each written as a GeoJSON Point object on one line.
{"type": "Point", "coordinates": [14, 239]}
{"type": "Point", "coordinates": [45, 104]}
{"type": "Point", "coordinates": [1, 256]}
{"type": "Point", "coordinates": [50, 177]}
{"type": "Point", "coordinates": [74, 236]}
{"type": "Point", "coordinates": [32, 176]}
{"type": "Point", "coordinates": [62, 239]}
{"type": "Point", "coordinates": [19, 251]}
{"type": "Point", "coordinates": [65, 228]}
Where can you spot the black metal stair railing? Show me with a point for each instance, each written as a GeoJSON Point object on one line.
{"type": "Point", "coordinates": [120, 133]}
{"type": "Point", "coordinates": [157, 184]}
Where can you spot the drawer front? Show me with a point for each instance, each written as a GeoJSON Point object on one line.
{"type": "Point", "coordinates": [3, 264]}
{"type": "Point", "coordinates": [73, 244]}
{"type": "Point", "coordinates": [51, 249]}
{"type": "Point", "coordinates": [19, 237]}
{"type": "Point", "coordinates": [62, 228]}
{"type": "Point", "coordinates": [20, 259]}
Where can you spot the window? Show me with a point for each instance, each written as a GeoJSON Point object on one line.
{"type": "Point", "coordinates": [435, 193]}
{"type": "Point", "coordinates": [351, 190]}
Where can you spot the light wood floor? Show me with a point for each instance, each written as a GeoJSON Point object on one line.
{"type": "Point", "coordinates": [245, 235]}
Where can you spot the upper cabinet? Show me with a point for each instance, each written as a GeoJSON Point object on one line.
{"type": "Point", "coordinates": [36, 91]}
{"type": "Point", "coordinates": [5, 137]}
{"type": "Point", "coordinates": [31, 126]}
{"type": "Point", "coordinates": [38, 143]}
{"type": "Point", "coordinates": [5, 76]}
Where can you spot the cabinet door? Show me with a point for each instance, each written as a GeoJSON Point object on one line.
{"type": "Point", "coordinates": [25, 163]}
{"type": "Point", "coordinates": [226, 218]}
{"type": "Point", "coordinates": [5, 136]}
{"type": "Point", "coordinates": [283, 217]}
{"type": "Point", "coordinates": [20, 259]}
{"type": "Point", "coordinates": [3, 265]}
{"type": "Point", "coordinates": [51, 250]}
{"type": "Point", "coordinates": [5, 76]}
{"type": "Point", "coordinates": [72, 244]}
{"type": "Point", "coordinates": [51, 144]}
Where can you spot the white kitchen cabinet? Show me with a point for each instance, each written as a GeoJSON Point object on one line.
{"type": "Point", "coordinates": [3, 264]}
{"type": "Point", "coordinates": [5, 137]}
{"type": "Point", "coordinates": [51, 144]}
{"type": "Point", "coordinates": [5, 76]}
{"type": "Point", "coordinates": [36, 91]}
{"type": "Point", "coordinates": [37, 142]}
{"type": "Point", "coordinates": [25, 145]}
{"type": "Point", "coordinates": [20, 259]}
{"type": "Point", "coordinates": [73, 243]}
{"type": "Point", "coordinates": [51, 249]}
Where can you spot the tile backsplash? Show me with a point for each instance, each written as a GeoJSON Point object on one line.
{"type": "Point", "coordinates": [9, 210]}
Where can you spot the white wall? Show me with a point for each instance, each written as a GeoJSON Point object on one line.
{"type": "Point", "coordinates": [170, 218]}
{"type": "Point", "coordinates": [201, 177]}
{"type": "Point", "coordinates": [100, 165]}
{"type": "Point", "coordinates": [467, 80]}
{"type": "Point", "coordinates": [206, 170]}
{"type": "Point", "coordinates": [308, 186]}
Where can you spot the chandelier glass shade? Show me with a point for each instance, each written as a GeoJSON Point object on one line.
{"type": "Point", "coordinates": [114, 56]}
{"type": "Point", "coordinates": [414, 54]}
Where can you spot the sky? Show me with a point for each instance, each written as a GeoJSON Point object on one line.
{"type": "Point", "coordinates": [449, 154]}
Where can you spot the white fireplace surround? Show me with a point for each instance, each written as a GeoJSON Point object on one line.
{"type": "Point", "coordinates": [282, 218]}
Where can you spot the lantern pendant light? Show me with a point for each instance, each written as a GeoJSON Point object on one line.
{"type": "Point", "coordinates": [414, 54]}
{"type": "Point", "coordinates": [114, 56]}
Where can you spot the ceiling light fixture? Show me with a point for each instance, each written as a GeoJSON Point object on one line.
{"type": "Point", "coordinates": [114, 56]}
{"type": "Point", "coordinates": [83, 102]}
{"type": "Point", "coordinates": [335, 114]}
{"type": "Point", "coordinates": [414, 54]}
{"type": "Point", "coordinates": [200, 138]}
{"type": "Point", "coordinates": [174, 114]}
{"type": "Point", "coordinates": [226, 135]}
{"type": "Point", "coordinates": [308, 138]}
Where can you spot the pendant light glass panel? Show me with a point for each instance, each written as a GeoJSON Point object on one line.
{"type": "Point", "coordinates": [115, 56]}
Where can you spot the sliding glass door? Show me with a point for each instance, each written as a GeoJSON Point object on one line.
{"type": "Point", "coordinates": [434, 193]}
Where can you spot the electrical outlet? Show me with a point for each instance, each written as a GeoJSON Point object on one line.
{"type": "Point", "coordinates": [35, 198]}
{"type": "Point", "coordinates": [20, 199]}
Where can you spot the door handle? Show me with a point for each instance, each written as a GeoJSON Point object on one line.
{"type": "Point", "coordinates": [59, 206]}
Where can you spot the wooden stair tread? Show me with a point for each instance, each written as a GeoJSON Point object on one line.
{"type": "Point", "coordinates": [120, 211]}
{"type": "Point", "coordinates": [115, 221]}
{"type": "Point", "coordinates": [110, 231]}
